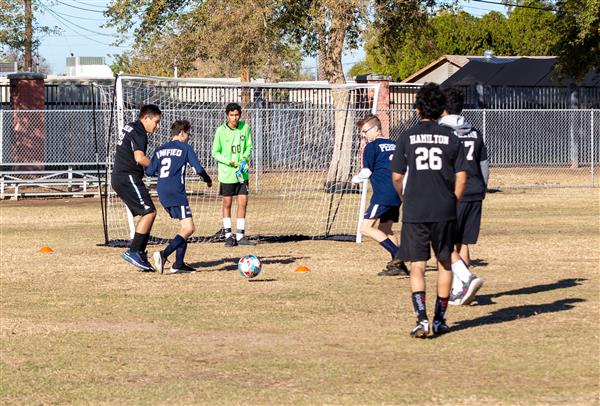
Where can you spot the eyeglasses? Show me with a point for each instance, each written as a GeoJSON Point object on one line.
{"type": "Point", "coordinates": [367, 130]}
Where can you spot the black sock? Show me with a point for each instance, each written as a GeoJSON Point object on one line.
{"type": "Point", "coordinates": [175, 242]}
{"type": "Point", "coordinates": [389, 246]}
{"type": "Point", "coordinates": [145, 241]}
{"type": "Point", "coordinates": [418, 300]}
{"type": "Point", "coordinates": [441, 304]}
{"type": "Point", "coordinates": [180, 254]}
{"type": "Point", "coordinates": [138, 242]}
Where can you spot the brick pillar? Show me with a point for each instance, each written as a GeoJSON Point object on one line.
{"type": "Point", "coordinates": [27, 93]}
{"type": "Point", "coordinates": [383, 100]}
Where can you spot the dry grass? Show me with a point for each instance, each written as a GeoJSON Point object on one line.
{"type": "Point", "coordinates": [81, 326]}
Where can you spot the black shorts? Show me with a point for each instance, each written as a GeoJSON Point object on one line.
{"type": "Point", "coordinates": [233, 189]}
{"type": "Point", "coordinates": [133, 192]}
{"type": "Point", "coordinates": [468, 222]}
{"type": "Point", "coordinates": [415, 240]}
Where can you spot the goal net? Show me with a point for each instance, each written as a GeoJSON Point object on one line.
{"type": "Point", "coordinates": [306, 149]}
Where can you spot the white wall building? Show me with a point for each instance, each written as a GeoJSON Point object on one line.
{"type": "Point", "coordinates": [87, 66]}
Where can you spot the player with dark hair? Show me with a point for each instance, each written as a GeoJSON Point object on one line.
{"type": "Point", "coordinates": [429, 173]}
{"type": "Point", "coordinates": [169, 163]}
{"type": "Point", "coordinates": [126, 180]}
{"type": "Point", "coordinates": [385, 203]}
{"type": "Point", "coordinates": [231, 149]}
{"type": "Point", "coordinates": [468, 218]}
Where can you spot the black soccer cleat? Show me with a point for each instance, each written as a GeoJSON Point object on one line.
{"type": "Point", "coordinates": [440, 327]}
{"type": "Point", "coordinates": [245, 241]}
{"type": "Point", "coordinates": [394, 268]}
{"type": "Point", "coordinates": [230, 241]}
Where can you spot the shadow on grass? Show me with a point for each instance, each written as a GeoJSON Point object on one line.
{"type": "Point", "coordinates": [483, 300]}
{"type": "Point", "coordinates": [517, 312]}
{"type": "Point", "coordinates": [230, 264]}
{"type": "Point", "coordinates": [479, 262]}
{"type": "Point", "coordinates": [261, 280]}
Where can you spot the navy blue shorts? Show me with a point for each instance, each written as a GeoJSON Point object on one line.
{"type": "Point", "coordinates": [383, 213]}
{"type": "Point", "coordinates": [179, 212]}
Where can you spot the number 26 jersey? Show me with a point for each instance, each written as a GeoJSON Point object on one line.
{"type": "Point", "coordinates": [429, 156]}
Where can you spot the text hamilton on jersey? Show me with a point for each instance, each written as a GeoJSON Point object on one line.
{"type": "Point", "coordinates": [429, 139]}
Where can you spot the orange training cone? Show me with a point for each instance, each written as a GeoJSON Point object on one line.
{"type": "Point", "coordinates": [46, 250]}
{"type": "Point", "coordinates": [302, 269]}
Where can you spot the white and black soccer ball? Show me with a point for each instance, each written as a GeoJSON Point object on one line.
{"type": "Point", "coordinates": [249, 266]}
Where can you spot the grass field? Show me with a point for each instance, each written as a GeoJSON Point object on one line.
{"type": "Point", "coordinates": [81, 326]}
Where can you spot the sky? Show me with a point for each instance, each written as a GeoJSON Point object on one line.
{"type": "Point", "coordinates": [83, 35]}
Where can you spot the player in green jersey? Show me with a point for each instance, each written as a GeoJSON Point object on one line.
{"type": "Point", "coordinates": [231, 149]}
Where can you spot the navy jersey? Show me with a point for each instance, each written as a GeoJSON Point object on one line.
{"type": "Point", "coordinates": [132, 138]}
{"type": "Point", "coordinates": [377, 156]}
{"type": "Point", "coordinates": [429, 156]}
{"type": "Point", "coordinates": [475, 153]}
{"type": "Point", "coordinates": [169, 163]}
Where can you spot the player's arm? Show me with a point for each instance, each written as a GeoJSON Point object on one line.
{"type": "Point", "coordinates": [484, 164]}
{"type": "Point", "coordinates": [247, 152]}
{"type": "Point", "coordinates": [398, 182]}
{"type": "Point", "coordinates": [197, 167]}
{"type": "Point", "coordinates": [153, 167]}
{"type": "Point", "coordinates": [460, 184]}
{"type": "Point", "coordinates": [398, 166]}
{"type": "Point", "coordinates": [368, 166]}
{"type": "Point", "coordinates": [138, 143]}
{"type": "Point", "coordinates": [217, 151]}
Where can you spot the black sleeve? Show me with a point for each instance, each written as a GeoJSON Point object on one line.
{"type": "Point", "coordinates": [139, 141]}
{"type": "Point", "coordinates": [399, 163]}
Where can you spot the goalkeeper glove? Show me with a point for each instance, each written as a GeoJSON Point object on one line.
{"type": "Point", "coordinates": [244, 166]}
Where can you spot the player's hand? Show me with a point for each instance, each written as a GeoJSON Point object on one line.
{"type": "Point", "coordinates": [244, 166]}
{"type": "Point", "coordinates": [356, 179]}
{"type": "Point", "coordinates": [209, 184]}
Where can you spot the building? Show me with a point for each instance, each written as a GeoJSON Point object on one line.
{"type": "Point", "coordinates": [7, 67]}
{"type": "Point", "coordinates": [87, 66]}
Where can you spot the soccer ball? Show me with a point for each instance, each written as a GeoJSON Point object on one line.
{"type": "Point", "coordinates": [249, 266]}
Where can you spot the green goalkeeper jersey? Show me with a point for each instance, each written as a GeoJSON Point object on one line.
{"type": "Point", "coordinates": [231, 146]}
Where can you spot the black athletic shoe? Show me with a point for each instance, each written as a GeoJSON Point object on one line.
{"type": "Point", "coordinates": [440, 327]}
{"type": "Point", "coordinates": [245, 241]}
{"type": "Point", "coordinates": [145, 262]}
{"type": "Point", "coordinates": [421, 330]}
{"type": "Point", "coordinates": [230, 242]}
{"type": "Point", "coordinates": [394, 268]}
{"type": "Point", "coordinates": [183, 268]}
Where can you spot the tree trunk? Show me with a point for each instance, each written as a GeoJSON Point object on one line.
{"type": "Point", "coordinates": [28, 37]}
{"type": "Point", "coordinates": [245, 78]}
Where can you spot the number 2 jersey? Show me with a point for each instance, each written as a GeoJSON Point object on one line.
{"type": "Point", "coordinates": [429, 156]}
{"type": "Point", "coordinates": [169, 163]}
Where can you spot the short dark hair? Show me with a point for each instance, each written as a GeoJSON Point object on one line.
{"type": "Point", "coordinates": [371, 118]}
{"type": "Point", "coordinates": [149, 110]}
{"type": "Point", "coordinates": [179, 126]}
{"type": "Point", "coordinates": [455, 100]}
{"type": "Point", "coordinates": [430, 101]}
{"type": "Point", "coordinates": [233, 107]}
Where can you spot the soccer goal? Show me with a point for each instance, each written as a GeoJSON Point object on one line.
{"type": "Point", "coordinates": [306, 150]}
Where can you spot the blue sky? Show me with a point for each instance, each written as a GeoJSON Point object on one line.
{"type": "Point", "coordinates": [74, 17]}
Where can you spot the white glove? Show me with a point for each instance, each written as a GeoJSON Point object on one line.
{"type": "Point", "coordinates": [364, 174]}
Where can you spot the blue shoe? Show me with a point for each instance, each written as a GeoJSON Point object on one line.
{"type": "Point", "coordinates": [136, 258]}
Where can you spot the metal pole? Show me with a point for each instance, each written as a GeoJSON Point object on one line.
{"type": "Point", "coordinates": [483, 127]}
{"type": "Point", "coordinates": [592, 147]}
{"type": "Point", "coordinates": [1, 137]}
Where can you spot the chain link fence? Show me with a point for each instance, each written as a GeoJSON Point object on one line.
{"type": "Point", "coordinates": [531, 148]}
{"type": "Point", "coordinates": [543, 148]}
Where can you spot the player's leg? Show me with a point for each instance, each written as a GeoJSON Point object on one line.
{"type": "Point", "coordinates": [242, 205]}
{"type": "Point", "coordinates": [443, 237]}
{"type": "Point", "coordinates": [136, 197]}
{"type": "Point", "coordinates": [414, 247]}
{"type": "Point", "coordinates": [227, 190]}
{"type": "Point", "coordinates": [183, 214]}
{"type": "Point", "coordinates": [187, 229]}
{"type": "Point", "coordinates": [390, 216]}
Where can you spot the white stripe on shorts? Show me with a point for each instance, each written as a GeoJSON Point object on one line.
{"type": "Point", "coordinates": [137, 191]}
{"type": "Point", "coordinates": [374, 211]}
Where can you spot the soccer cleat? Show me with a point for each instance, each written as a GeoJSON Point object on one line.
{"type": "Point", "coordinates": [394, 268]}
{"type": "Point", "coordinates": [183, 268]}
{"type": "Point", "coordinates": [440, 327]}
{"type": "Point", "coordinates": [230, 241]}
{"type": "Point", "coordinates": [137, 259]}
{"type": "Point", "coordinates": [421, 330]}
{"type": "Point", "coordinates": [468, 292]}
{"type": "Point", "coordinates": [144, 255]}
{"type": "Point", "coordinates": [245, 241]}
{"type": "Point", "coordinates": [160, 260]}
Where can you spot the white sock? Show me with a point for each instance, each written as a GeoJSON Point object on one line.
{"type": "Point", "coordinates": [227, 226]}
{"type": "Point", "coordinates": [240, 227]}
{"type": "Point", "coordinates": [460, 271]}
{"type": "Point", "coordinates": [457, 285]}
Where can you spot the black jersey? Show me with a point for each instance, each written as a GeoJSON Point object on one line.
{"type": "Point", "coordinates": [429, 156]}
{"type": "Point", "coordinates": [133, 138]}
{"type": "Point", "coordinates": [475, 152]}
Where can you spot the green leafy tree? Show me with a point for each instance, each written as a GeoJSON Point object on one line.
{"type": "Point", "coordinates": [578, 46]}
{"type": "Point", "coordinates": [532, 30]}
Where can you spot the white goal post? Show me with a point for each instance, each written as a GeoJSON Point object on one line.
{"type": "Point", "coordinates": [306, 150]}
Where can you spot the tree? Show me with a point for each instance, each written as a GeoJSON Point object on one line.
{"type": "Point", "coordinates": [578, 46]}
{"type": "Point", "coordinates": [531, 29]}
{"type": "Point", "coordinates": [12, 31]}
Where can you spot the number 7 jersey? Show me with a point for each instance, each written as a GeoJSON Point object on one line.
{"type": "Point", "coordinates": [429, 156]}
